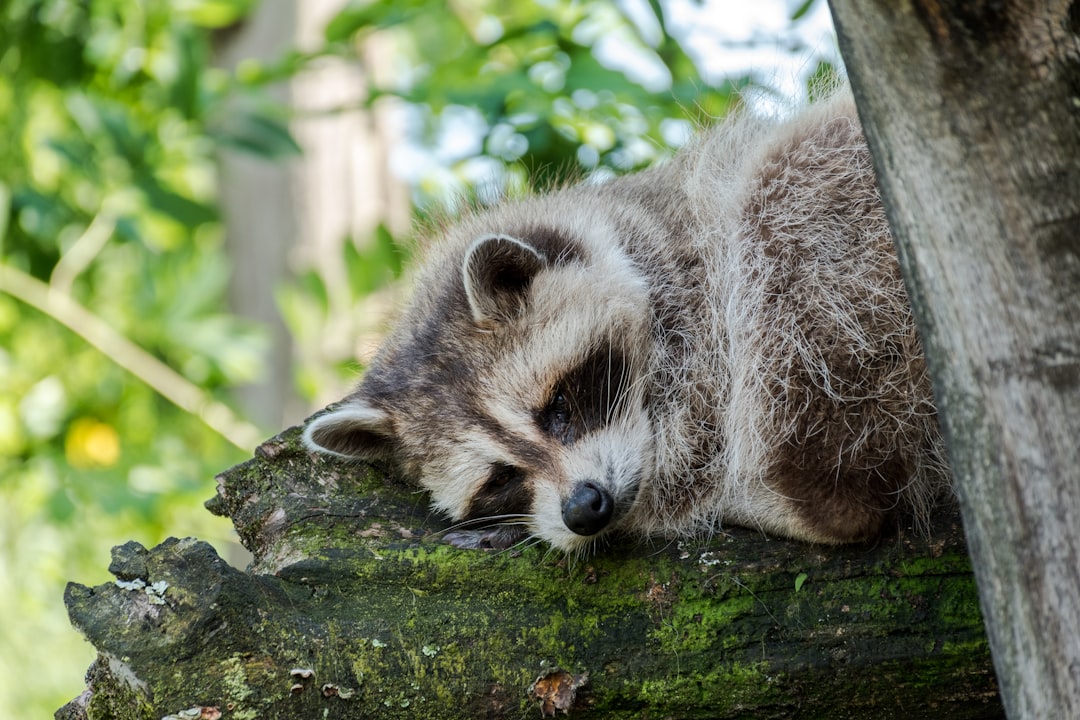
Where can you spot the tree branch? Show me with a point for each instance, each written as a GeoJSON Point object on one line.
{"type": "Point", "coordinates": [62, 308]}
{"type": "Point", "coordinates": [82, 252]}
{"type": "Point", "coordinates": [352, 589]}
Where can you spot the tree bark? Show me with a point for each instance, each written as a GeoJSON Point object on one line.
{"type": "Point", "coordinates": [352, 609]}
{"type": "Point", "coordinates": [972, 113]}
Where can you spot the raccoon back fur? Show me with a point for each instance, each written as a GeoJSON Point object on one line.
{"type": "Point", "coordinates": [724, 338]}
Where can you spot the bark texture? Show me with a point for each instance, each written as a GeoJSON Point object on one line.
{"type": "Point", "coordinates": [353, 608]}
{"type": "Point", "coordinates": [972, 112]}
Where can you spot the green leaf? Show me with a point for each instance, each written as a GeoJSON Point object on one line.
{"type": "Point", "coordinates": [60, 507]}
{"type": "Point", "coordinates": [128, 139]}
{"type": "Point", "coordinates": [39, 215]}
{"type": "Point", "coordinates": [586, 72]}
{"type": "Point", "coordinates": [359, 270]}
{"type": "Point", "coordinates": [802, 10]}
{"type": "Point", "coordinates": [799, 580]}
{"type": "Point", "coordinates": [313, 285]}
{"type": "Point", "coordinates": [76, 152]}
{"type": "Point", "coordinates": [216, 13]}
{"type": "Point", "coordinates": [374, 264]}
{"type": "Point", "coordinates": [186, 89]}
{"type": "Point", "coordinates": [257, 132]}
{"type": "Point", "coordinates": [822, 81]}
{"type": "Point", "coordinates": [357, 16]}
{"type": "Point", "coordinates": [184, 210]}
{"type": "Point", "coordinates": [299, 316]}
{"type": "Point", "coordinates": [127, 228]}
{"type": "Point", "coordinates": [387, 252]}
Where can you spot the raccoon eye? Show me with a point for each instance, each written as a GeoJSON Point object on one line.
{"type": "Point", "coordinates": [560, 408]}
{"type": "Point", "coordinates": [502, 476]}
{"type": "Point", "coordinates": [556, 419]}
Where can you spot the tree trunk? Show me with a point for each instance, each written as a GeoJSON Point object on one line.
{"type": "Point", "coordinates": [972, 112]}
{"type": "Point", "coordinates": [352, 610]}
{"type": "Point", "coordinates": [261, 218]}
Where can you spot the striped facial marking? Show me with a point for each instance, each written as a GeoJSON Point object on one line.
{"type": "Point", "coordinates": [504, 492]}
{"type": "Point", "coordinates": [579, 405]}
{"type": "Point", "coordinates": [586, 398]}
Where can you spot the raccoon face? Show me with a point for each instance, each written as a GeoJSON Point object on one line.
{"type": "Point", "coordinates": [514, 390]}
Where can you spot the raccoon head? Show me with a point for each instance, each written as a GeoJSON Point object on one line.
{"type": "Point", "coordinates": [514, 387]}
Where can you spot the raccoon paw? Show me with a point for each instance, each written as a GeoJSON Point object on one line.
{"type": "Point", "coordinates": [498, 538]}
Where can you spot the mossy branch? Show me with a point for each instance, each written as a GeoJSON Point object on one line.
{"type": "Point", "coordinates": [352, 589]}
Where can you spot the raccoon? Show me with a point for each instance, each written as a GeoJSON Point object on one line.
{"type": "Point", "coordinates": [721, 339]}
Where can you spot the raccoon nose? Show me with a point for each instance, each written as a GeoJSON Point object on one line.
{"type": "Point", "coordinates": [588, 510]}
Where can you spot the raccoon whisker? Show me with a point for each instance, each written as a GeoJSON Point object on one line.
{"type": "Point", "coordinates": [669, 542]}
{"type": "Point", "coordinates": [618, 405]}
{"type": "Point", "coordinates": [508, 519]}
{"type": "Point", "coordinates": [552, 550]}
{"type": "Point", "coordinates": [753, 595]}
{"type": "Point", "coordinates": [624, 401]}
{"type": "Point", "coordinates": [463, 525]}
{"type": "Point", "coordinates": [588, 549]}
{"type": "Point", "coordinates": [608, 381]}
{"type": "Point", "coordinates": [523, 544]}
{"type": "Point", "coordinates": [620, 393]}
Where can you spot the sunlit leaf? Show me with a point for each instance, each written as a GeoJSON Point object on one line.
{"type": "Point", "coordinates": [214, 13]}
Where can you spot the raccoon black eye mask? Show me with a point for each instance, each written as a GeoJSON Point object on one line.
{"type": "Point", "coordinates": [722, 339]}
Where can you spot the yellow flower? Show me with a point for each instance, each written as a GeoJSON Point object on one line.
{"type": "Point", "coordinates": [91, 443]}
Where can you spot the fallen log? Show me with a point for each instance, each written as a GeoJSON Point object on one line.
{"type": "Point", "coordinates": [353, 607]}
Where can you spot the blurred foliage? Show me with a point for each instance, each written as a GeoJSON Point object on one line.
{"type": "Point", "coordinates": [544, 83]}
{"type": "Point", "coordinates": [112, 266]}
{"type": "Point", "coordinates": [110, 122]}
{"type": "Point", "coordinates": [372, 266]}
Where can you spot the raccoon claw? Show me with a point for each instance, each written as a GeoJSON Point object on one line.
{"type": "Point", "coordinates": [464, 539]}
{"type": "Point", "coordinates": [499, 538]}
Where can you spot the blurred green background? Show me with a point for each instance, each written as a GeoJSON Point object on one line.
{"type": "Point", "coordinates": [144, 347]}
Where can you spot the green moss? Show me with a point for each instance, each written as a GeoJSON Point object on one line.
{"type": "Point", "coordinates": [117, 699]}
{"type": "Point", "coordinates": [235, 680]}
{"type": "Point", "coordinates": [697, 624]}
{"type": "Point", "coordinates": [950, 564]}
{"type": "Point", "coordinates": [722, 690]}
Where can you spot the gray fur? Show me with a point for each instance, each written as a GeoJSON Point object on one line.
{"type": "Point", "coordinates": [724, 338]}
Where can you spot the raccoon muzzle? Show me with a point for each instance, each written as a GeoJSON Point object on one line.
{"type": "Point", "coordinates": [588, 509]}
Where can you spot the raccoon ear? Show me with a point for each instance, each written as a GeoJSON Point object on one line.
{"type": "Point", "coordinates": [498, 270]}
{"type": "Point", "coordinates": [356, 431]}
